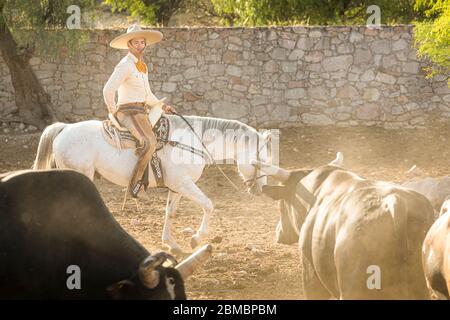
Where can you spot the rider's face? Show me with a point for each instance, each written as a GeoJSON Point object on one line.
{"type": "Point", "coordinates": [137, 46]}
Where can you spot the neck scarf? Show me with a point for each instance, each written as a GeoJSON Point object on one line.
{"type": "Point", "coordinates": [141, 66]}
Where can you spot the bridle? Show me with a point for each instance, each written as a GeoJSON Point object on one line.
{"type": "Point", "coordinates": [252, 181]}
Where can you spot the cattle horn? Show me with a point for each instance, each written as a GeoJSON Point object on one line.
{"type": "Point", "coordinates": [272, 170]}
{"type": "Point", "coordinates": [147, 273]}
{"type": "Point", "coordinates": [187, 267]}
{"type": "Point", "coordinates": [339, 161]}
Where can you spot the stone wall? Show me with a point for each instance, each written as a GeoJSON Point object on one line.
{"type": "Point", "coordinates": [268, 77]}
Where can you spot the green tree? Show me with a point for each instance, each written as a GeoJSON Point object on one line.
{"type": "Point", "coordinates": [323, 12]}
{"type": "Point", "coordinates": [35, 26]}
{"type": "Point", "coordinates": [432, 35]}
{"type": "Point", "coordinates": [148, 11]}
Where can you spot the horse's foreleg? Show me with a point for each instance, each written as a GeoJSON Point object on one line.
{"type": "Point", "coordinates": [171, 207]}
{"type": "Point", "coordinates": [190, 190]}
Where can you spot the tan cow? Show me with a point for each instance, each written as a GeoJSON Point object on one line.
{"type": "Point", "coordinates": [435, 189]}
{"type": "Point", "coordinates": [436, 255]}
{"type": "Point", "coordinates": [359, 239]}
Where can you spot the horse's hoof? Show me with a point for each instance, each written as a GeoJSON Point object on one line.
{"type": "Point", "coordinates": [195, 240]}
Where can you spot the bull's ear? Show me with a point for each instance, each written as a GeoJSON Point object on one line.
{"type": "Point", "coordinates": [119, 290]}
{"type": "Point", "coordinates": [275, 192]}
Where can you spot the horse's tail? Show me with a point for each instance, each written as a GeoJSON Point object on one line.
{"type": "Point", "coordinates": [45, 148]}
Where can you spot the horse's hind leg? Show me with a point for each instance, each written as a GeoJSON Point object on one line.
{"type": "Point", "coordinates": [190, 190]}
{"type": "Point", "coordinates": [172, 203]}
{"type": "Point", "coordinates": [88, 172]}
{"type": "Point", "coordinates": [61, 160]}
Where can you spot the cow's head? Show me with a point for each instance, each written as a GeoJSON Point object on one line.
{"type": "Point", "coordinates": [296, 196]}
{"type": "Point", "coordinates": [154, 281]}
{"type": "Point", "coordinates": [291, 195]}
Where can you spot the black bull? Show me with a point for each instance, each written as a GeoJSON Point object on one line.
{"type": "Point", "coordinates": [351, 230]}
{"type": "Point", "coordinates": [51, 220]}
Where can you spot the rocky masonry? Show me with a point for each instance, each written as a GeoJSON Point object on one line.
{"type": "Point", "coordinates": [267, 77]}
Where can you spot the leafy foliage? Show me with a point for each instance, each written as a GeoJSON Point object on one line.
{"type": "Point", "coordinates": [432, 35]}
{"type": "Point", "coordinates": [323, 12]}
{"type": "Point", "coordinates": [41, 25]}
{"type": "Point", "coordinates": [147, 11]}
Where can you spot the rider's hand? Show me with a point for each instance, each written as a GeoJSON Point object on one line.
{"type": "Point", "coordinates": [168, 109]}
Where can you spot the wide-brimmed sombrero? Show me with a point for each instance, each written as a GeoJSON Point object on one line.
{"type": "Point", "coordinates": [135, 31]}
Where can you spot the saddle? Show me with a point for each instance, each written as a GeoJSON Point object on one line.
{"type": "Point", "coordinates": [121, 138]}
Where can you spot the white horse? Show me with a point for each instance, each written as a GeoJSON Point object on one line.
{"type": "Point", "coordinates": [81, 146]}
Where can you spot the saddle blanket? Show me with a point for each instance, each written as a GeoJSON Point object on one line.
{"type": "Point", "coordinates": [125, 140]}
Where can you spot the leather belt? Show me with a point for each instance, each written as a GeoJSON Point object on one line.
{"type": "Point", "coordinates": [135, 107]}
{"type": "Point", "coordinates": [139, 104]}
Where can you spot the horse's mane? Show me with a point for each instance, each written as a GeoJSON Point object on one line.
{"type": "Point", "coordinates": [209, 123]}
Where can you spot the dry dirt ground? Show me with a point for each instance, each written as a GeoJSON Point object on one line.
{"type": "Point", "coordinates": [247, 263]}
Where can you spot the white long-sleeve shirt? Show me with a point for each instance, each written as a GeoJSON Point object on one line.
{"type": "Point", "coordinates": [130, 84]}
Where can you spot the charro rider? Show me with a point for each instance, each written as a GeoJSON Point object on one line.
{"type": "Point", "coordinates": [130, 79]}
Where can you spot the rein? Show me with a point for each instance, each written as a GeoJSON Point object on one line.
{"type": "Point", "coordinates": [207, 151]}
